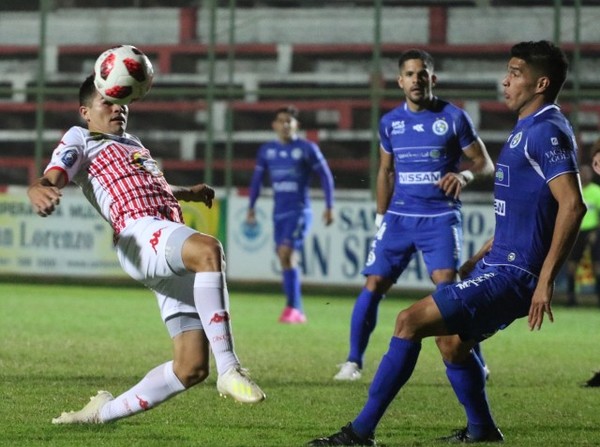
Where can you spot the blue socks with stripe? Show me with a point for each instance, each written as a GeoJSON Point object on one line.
{"type": "Point", "coordinates": [362, 324]}
{"type": "Point", "coordinates": [396, 367]}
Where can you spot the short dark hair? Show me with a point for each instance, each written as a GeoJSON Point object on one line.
{"type": "Point", "coordinates": [291, 110]}
{"type": "Point", "coordinates": [415, 53]}
{"type": "Point", "coordinates": [87, 91]}
{"type": "Point", "coordinates": [548, 59]}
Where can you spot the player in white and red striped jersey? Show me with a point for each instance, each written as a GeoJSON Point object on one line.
{"type": "Point", "coordinates": [185, 268]}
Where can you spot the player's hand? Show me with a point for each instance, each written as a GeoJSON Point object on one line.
{"type": "Point", "coordinates": [44, 199]}
{"type": "Point", "coordinates": [540, 305]}
{"type": "Point", "coordinates": [202, 193]}
{"type": "Point", "coordinates": [328, 217]}
{"type": "Point", "coordinates": [452, 184]}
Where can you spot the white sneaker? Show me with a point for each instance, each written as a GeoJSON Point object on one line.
{"type": "Point", "coordinates": [237, 383]}
{"type": "Point", "coordinates": [348, 371]}
{"type": "Point", "coordinates": [90, 414]}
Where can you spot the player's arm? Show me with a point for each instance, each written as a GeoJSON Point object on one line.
{"type": "Point", "coordinates": [469, 265]}
{"type": "Point", "coordinates": [566, 191]}
{"type": "Point", "coordinates": [480, 165]}
{"type": "Point", "coordinates": [197, 193]}
{"type": "Point", "coordinates": [385, 183]}
{"type": "Point", "coordinates": [44, 193]}
{"type": "Point", "coordinates": [255, 186]}
{"type": "Point", "coordinates": [327, 184]}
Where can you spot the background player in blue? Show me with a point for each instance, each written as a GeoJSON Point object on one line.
{"type": "Point", "coordinates": [538, 206]}
{"type": "Point", "coordinates": [422, 142]}
{"type": "Point", "coordinates": [290, 162]}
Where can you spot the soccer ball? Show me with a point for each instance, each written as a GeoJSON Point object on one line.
{"type": "Point", "coordinates": [123, 74]}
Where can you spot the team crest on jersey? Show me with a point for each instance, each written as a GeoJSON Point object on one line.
{"type": "Point", "coordinates": [148, 164]}
{"type": "Point", "coordinates": [398, 127]}
{"type": "Point", "coordinates": [69, 158]}
{"type": "Point", "coordinates": [440, 127]}
{"type": "Point", "coordinates": [516, 140]}
{"type": "Point", "coordinates": [296, 153]}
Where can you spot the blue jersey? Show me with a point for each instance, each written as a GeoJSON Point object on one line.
{"type": "Point", "coordinates": [426, 145]}
{"type": "Point", "coordinates": [540, 148]}
{"type": "Point", "coordinates": [290, 166]}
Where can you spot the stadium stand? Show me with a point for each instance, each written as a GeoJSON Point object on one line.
{"type": "Point", "coordinates": [328, 76]}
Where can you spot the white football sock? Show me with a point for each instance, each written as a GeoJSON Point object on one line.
{"type": "Point", "coordinates": [160, 384]}
{"type": "Point", "coordinates": [212, 303]}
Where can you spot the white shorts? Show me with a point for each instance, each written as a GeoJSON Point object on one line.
{"type": "Point", "coordinates": [149, 250]}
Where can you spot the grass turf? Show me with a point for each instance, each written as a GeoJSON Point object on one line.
{"type": "Point", "coordinates": [62, 343]}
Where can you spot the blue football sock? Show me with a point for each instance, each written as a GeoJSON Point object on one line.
{"type": "Point", "coordinates": [291, 288]}
{"type": "Point", "coordinates": [362, 324]}
{"type": "Point", "coordinates": [468, 381]}
{"type": "Point", "coordinates": [396, 367]}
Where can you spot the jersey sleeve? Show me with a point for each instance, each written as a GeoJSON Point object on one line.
{"type": "Point", "coordinates": [68, 156]}
{"type": "Point", "coordinates": [554, 150]}
{"type": "Point", "coordinates": [321, 167]}
{"type": "Point", "coordinates": [384, 136]}
{"type": "Point", "coordinates": [465, 129]}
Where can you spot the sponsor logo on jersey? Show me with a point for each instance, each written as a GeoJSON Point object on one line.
{"type": "Point", "coordinates": [297, 153]}
{"type": "Point", "coordinates": [418, 128]}
{"type": "Point", "coordinates": [418, 178]}
{"type": "Point", "coordinates": [283, 154]}
{"type": "Point", "coordinates": [398, 127]}
{"type": "Point", "coordinates": [502, 177]}
{"type": "Point", "coordinates": [69, 158]}
{"type": "Point", "coordinates": [500, 207]}
{"type": "Point", "coordinates": [511, 257]}
{"type": "Point", "coordinates": [146, 163]}
{"type": "Point", "coordinates": [557, 155]}
{"type": "Point", "coordinates": [271, 153]}
{"type": "Point", "coordinates": [554, 141]}
{"type": "Point", "coordinates": [516, 140]}
{"type": "Point", "coordinates": [440, 127]}
{"type": "Point", "coordinates": [286, 186]}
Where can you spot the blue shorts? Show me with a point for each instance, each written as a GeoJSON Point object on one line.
{"type": "Point", "coordinates": [291, 228]}
{"type": "Point", "coordinates": [438, 238]}
{"type": "Point", "coordinates": [489, 300]}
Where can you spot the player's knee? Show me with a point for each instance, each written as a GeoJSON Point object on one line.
{"type": "Point", "coordinates": [405, 327]}
{"type": "Point", "coordinates": [190, 374]}
{"type": "Point", "coordinates": [205, 254]}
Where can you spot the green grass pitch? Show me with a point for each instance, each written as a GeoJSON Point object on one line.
{"type": "Point", "coordinates": [59, 344]}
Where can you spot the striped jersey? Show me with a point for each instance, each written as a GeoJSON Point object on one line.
{"type": "Point", "coordinates": [117, 175]}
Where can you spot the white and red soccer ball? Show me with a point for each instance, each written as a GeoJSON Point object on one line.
{"type": "Point", "coordinates": [123, 74]}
